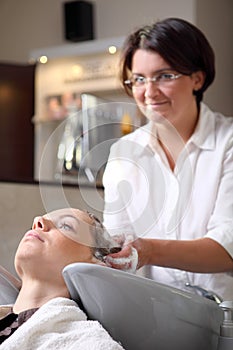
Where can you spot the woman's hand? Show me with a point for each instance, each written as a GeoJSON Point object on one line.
{"type": "Point", "coordinates": [131, 257]}
{"type": "Point", "coordinates": [126, 259]}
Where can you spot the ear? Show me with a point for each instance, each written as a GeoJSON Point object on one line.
{"type": "Point", "coordinates": [198, 80]}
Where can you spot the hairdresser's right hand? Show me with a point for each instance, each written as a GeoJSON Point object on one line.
{"type": "Point", "coordinates": [131, 256]}
{"type": "Point", "coordinates": [125, 260]}
{"type": "Point", "coordinates": [136, 252]}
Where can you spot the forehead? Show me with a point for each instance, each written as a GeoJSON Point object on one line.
{"type": "Point", "coordinates": [148, 60]}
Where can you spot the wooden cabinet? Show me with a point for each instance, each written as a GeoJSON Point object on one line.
{"type": "Point", "coordinates": [16, 127]}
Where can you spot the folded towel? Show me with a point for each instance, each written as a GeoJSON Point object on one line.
{"type": "Point", "coordinates": [57, 325]}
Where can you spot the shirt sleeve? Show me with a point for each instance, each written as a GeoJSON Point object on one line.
{"type": "Point", "coordinates": [220, 226]}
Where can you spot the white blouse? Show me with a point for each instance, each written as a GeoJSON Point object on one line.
{"type": "Point", "coordinates": [143, 195]}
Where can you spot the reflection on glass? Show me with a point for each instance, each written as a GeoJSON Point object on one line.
{"type": "Point", "coordinates": [88, 135]}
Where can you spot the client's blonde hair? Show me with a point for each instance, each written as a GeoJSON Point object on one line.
{"type": "Point", "coordinates": [104, 243]}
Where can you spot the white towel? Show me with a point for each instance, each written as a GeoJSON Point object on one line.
{"type": "Point", "coordinates": [59, 325]}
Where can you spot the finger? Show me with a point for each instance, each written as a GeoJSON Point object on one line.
{"type": "Point", "coordinates": [124, 253]}
{"type": "Point", "coordinates": [128, 263]}
{"type": "Point", "coordinates": [115, 264]}
{"type": "Point", "coordinates": [123, 267]}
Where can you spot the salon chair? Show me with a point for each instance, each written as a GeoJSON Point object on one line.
{"type": "Point", "coordinates": [144, 315]}
{"type": "Point", "coordinates": [9, 287]}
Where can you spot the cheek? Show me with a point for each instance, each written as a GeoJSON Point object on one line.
{"type": "Point", "coordinates": [62, 249]}
{"type": "Point", "coordinates": [180, 95]}
{"type": "Point", "coordinates": [69, 251]}
{"type": "Point", "coordinates": [138, 96]}
{"type": "Point", "coordinates": [185, 90]}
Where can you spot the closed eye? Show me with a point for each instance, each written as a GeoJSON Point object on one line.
{"type": "Point", "coordinates": [66, 226]}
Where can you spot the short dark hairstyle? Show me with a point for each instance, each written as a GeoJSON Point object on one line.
{"type": "Point", "coordinates": [179, 43]}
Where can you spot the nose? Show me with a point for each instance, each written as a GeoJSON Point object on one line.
{"type": "Point", "coordinates": [151, 89]}
{"type": "Point", "coordinates": [40, 223]}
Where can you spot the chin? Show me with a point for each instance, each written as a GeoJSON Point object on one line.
{"type": "Point", "coordinates": [153, 115]}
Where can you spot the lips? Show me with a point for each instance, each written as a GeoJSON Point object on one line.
{"type": "Point", "coordinates": [34, 234]}
{"type": "Point", "coordinates": [155, 104]}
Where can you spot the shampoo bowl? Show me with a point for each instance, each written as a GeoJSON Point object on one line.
{"type": "Point", "coordinates": [142, 314]}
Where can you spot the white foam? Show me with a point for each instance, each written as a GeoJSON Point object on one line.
{"type": "Point", "coordinates": [129, 264]}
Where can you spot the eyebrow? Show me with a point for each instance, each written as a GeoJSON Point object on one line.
{"type": "Point", "coordinates": [69, 216]}
{"type": "Point", "coordinates": [55, 218]}
{"type": "Point", "coordinates": [155, 72]}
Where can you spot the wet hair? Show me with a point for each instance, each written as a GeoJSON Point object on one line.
{"type": "Point", "coordinates": [103, 242]}
{"type": "Point", "coordinates": [179, 43]}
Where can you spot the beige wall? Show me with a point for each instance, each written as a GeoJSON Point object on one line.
{"type": "Point", "coordinates": [214, 17]}
{"type": "Point", "coordinates": [30, 24]}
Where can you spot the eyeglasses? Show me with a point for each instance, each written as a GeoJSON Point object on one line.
{"type": "Point", "coordinates": [139, 81]}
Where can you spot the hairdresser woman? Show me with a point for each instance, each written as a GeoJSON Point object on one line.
{"type": "Point", "coordinates": [170, 182]}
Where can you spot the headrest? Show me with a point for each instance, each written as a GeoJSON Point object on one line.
{"type": "Point", "coordinates": [9, 287]}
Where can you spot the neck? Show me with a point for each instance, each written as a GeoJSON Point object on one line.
{"type": "Point", "coordinates": [186, 124]}
{"type": "Point", "coordinates": [170, 141]}
{"type": "Point", "coordinates": [34, 294]}
{"type": "Point", "coordinates": [173, 137]}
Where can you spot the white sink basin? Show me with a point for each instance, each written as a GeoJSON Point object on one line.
{"type": "Point", "coordinates": [143, 314]}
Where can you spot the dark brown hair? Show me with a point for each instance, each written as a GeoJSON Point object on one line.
{"type": "Point", "coordinates": [179, 43]}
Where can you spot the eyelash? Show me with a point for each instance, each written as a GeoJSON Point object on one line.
{"type": "Point", "coordinates": [65, 226]}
